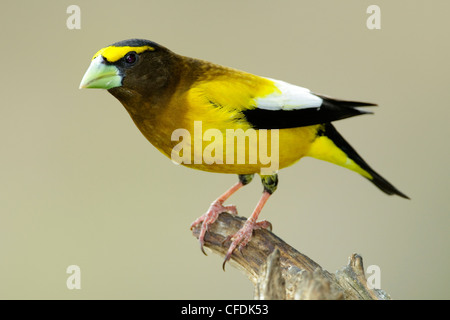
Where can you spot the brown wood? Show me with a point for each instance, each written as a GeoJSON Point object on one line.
{"type": "Point", "coordinates": [279, 271]}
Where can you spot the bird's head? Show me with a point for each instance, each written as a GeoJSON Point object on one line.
{"type": "Point", "coordinates": [135, 65]}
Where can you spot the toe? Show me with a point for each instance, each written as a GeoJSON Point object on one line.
{"type": "Point", "coordinates": [230, 209]}
{"type": "Point", "coordinates": [263, 224]}
{"type": "Point", "coordinates": [209, 218]}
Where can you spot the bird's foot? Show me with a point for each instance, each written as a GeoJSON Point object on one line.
{"type": "Point", "coordinates": [243, 236]}
{"type": "Point", "coordinates": [210, 217]}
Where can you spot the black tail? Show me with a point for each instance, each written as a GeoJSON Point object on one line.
{"type": "Point", "coordinates": [331, 132]}
{"type": "Point", "coordinates": [344, 103]}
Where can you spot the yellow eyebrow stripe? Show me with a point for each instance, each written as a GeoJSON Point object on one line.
{"type": "Point", "coordinates": [113, 54]}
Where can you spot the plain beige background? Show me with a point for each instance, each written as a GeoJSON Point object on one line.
{"type": "Point", "coordinates": [80, 185]}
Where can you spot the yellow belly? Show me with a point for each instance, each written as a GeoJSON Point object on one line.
{"type": "Point", "coordinates": [237, 149]}
{"type": "Point", "coordinates": [216, 139]}
{"type": "Point", "coordinates": [259, 153]}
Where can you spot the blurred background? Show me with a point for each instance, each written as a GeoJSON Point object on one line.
{"type": "Point", "coordinates": [80, 185]}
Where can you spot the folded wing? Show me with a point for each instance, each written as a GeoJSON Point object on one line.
{"type": "Point", "coordinates": [290, 106]}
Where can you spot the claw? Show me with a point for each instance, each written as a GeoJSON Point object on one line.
{"type": "Point", "coordinates": [243, 236]}
{"type": "Point", "coordinates": [201, 248]}
{"type": "Point", "coordinates": [209, 218]}
{"type": "Point", "coordinates": [229, 253]}
{"type": "Point", "coordinates": [213, 212]}
{"type": "Point", "coordinates": [223, 265]}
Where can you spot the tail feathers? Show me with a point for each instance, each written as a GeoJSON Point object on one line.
{"type": "Point", "coordinates": [331, 146]}
{"type": "Point", "coordinates": [384, 185]}
{"type": "Point", "coordinates": [336, 109]}
{"type": "Point", "coordinates": [345, 103]}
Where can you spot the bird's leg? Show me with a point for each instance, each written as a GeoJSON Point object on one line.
{"type": "Point", "coordinates": [217, 207]}
{"type": "Point", "coordinates": [243, 236]}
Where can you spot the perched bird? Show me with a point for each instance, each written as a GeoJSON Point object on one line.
{"type": "Point", "coordinates": [165, 92]}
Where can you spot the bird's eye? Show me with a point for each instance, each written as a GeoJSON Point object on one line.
{"type": "Point", "coordinates": [131, 58]}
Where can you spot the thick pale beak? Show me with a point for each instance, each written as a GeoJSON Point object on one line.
{"type": "Point", "coordinates": [101, 75]}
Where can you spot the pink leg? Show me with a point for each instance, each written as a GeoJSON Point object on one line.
{"type": "Point", "coordinates": [213, 212]}
{"type": "Point", "coordinates": [243, 236]}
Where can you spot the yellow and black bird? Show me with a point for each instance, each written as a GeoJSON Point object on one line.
{"type": "Point", "coordinates": [165, 92]}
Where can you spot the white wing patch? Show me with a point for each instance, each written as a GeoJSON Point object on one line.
{"type": "Point", "coordinates": [288, 97]}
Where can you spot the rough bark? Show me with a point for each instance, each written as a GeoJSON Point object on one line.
{"type": "Point", "coordinates": [279, 271]}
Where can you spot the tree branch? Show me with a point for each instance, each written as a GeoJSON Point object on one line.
{"type": "Point", "coordinates": [278, 271]}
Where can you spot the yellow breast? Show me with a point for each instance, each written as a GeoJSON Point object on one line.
{"type": "Point", "coordinates": [202, 128]}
